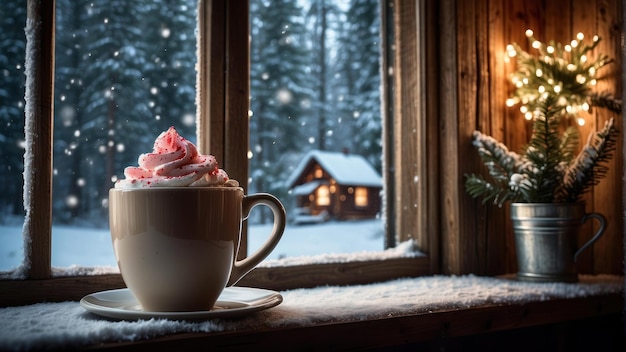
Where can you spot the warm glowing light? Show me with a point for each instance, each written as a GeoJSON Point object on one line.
{"type": "Point", "coordinates": [323, 196]}
{"type": "Point", "coordinates": [581, 121]}
{"type": "Point", "coordinates": [360, 197]}
{"type": "Point", "coordinates": [533, 86]}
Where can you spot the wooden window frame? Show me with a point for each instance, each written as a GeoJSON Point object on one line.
{"type": "Point", "coordinates": [224, 92]}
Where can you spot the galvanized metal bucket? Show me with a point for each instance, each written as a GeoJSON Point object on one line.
{"type": "Point", "coordinates": [546, 239]}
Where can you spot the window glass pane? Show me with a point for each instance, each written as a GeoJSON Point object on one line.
{"type": "Point", "coordinates": [315, 123]}
{"type": "Point", "coordinates": [125, 72]}
{"type": "Point", "coordinates": [12, 49]}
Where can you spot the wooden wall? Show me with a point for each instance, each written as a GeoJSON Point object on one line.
{"type": "Point", "coordinates": [478, 238]}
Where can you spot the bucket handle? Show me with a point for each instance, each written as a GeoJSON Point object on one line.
{"type": "Point", "coordinates": [602, 220]}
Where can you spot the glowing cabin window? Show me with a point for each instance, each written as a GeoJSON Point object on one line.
{"type": "Point", "coordinates": [360, 196]}
{"type": "Point", "coordinates": [318, 173]}
{"type": "Point", "coordinates": [323, 196]}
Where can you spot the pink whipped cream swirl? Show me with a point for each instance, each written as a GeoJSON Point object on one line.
{"type": "Point", "coordinates": [174, 162]}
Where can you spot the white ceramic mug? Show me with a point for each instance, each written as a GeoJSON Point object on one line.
{"type": "Point", "coordinates": [177, 247]}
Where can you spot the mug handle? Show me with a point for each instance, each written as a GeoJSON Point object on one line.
{"type": "Point", "coordinates": [242, 267]}
{"type": "Point", "coordinates": [596, 236]}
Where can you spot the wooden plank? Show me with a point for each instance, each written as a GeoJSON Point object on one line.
{"type": "Point", "coordinates": [488, 252]}
{"type": "Point", "coordinates": [448, 114]}
{"type": "Point", "coordinates": [237, 91]}
{"type": "Point", "coordinates": [584, 20]}
{"type": "Point", "coordinates": [203, 78]}
{"type": "Point", "coordinates": [438, 328]}
{"type": "Point", "coordinates": [21, 292]}
{"type": "Point", "coordinates": [608, 253]}
{"type": "Point", "coordinates": [431, 212]}
{"type": "Point", "coordinates": [493, 219]}
{"type": "Point", "coordinates": [237, 99]}
{"type": "Point", "coordinates": [406, 118]}
{"type": "Point", "coordinates": [420, 105]}
{"type": "Point", "coordinates": [388, 123]}
{"type": "Point", "coordinates": [349, 273]}
{"type": "Point", "coordinates": [558, 19]}
{"type": "Point", "coordinates": [466, 254]}
{"type": "Point", "coordinates": [39, 126]}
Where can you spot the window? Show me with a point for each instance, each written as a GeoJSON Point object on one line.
{"type": "Point", "coordinates": [323, 196]}
{"type": "Point", "coordinates": [220, 128]}
{"type": "Point", "coordinates": [360, 197]}
{"type": "Point", "coordinates": [315, 78]}
{"type": "Point", "coordinates": [319, 172]}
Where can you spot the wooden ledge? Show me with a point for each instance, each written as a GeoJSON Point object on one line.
{"type": "Point", "coordinates": [557, 322]}
{"type": "Point", "coordinates": [23, 292]}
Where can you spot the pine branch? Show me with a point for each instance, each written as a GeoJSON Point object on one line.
{"type": "Point", "coordinates": [544, 154]}
{"type": "Point", "coordinates": [606, 100]}
{"type": "Point", "coordinates": [589, 167]}
{"type": "Point", "coordinates": [569, 144]}
{"type": "Point", "coordinates": [496, 156]}
{"type": "Point", "coordinates": [497, 192]}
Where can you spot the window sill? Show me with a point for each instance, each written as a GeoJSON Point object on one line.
{"type": "Point", "coordinates": [534, 326]}
{"type": "Point", "coordinates": [63, 288]}
{"type": "Point", "coordinates": [393, 313]}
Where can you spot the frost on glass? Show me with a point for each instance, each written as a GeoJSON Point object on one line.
{"type": "Point", "coordinates": [12, 82]}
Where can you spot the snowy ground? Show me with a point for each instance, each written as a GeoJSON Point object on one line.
{"type": "Point", "coordinates": [92, 247]}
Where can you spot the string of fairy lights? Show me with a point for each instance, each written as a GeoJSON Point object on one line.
{"type": "Point", "coordinates": [564, 70]}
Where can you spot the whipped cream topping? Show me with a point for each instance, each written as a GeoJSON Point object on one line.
{"type": "Point", "coordinates": [174, 162]}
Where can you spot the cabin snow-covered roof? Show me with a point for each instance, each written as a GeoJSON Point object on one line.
{"type": "Point", "coordinates": [346, 169]}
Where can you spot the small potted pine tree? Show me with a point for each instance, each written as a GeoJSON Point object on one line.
{"type": "Point", "coordinates": [544, 183]}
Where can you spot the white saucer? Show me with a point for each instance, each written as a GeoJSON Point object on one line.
{"type": "Point", "coordinates": [233, 302]}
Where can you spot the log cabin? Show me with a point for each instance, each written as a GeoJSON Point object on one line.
{"type": "Point", "coordinates": [454, 49]}
{"type": "Point", "coordinates": [331, 185]}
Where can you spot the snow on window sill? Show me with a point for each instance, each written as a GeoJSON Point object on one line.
{"type": "Point", "coordinates": [67, 325]}
{"type": "Point", "coordinates": [405, 249]}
